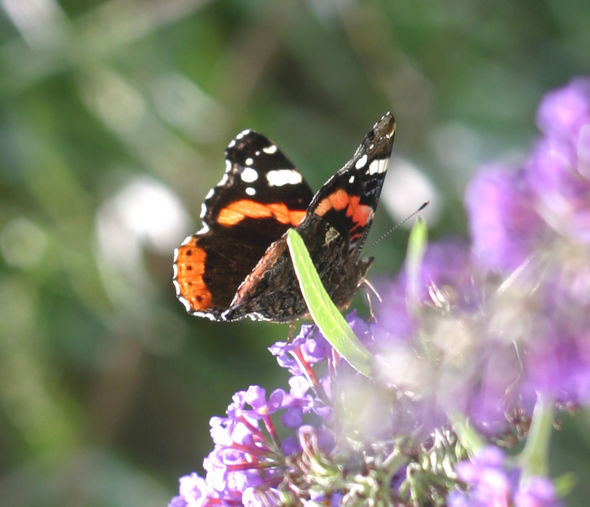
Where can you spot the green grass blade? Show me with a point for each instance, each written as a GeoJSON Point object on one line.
{"type": "Point", "coordinates": [323, 311]}
{"type": "Point", "coordinates": [417, 243]}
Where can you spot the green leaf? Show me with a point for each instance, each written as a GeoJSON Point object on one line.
{"type": "Point", "coordinates": [323, 311]}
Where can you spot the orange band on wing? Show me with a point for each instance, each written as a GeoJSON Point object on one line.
{"type": "Point", "coordinates": [337, 200]}
{"type": "Point", "coordinates": [359, 213]}
{"type": "Point", "coordinates": [237, 211]}
{"type": "Point", "coordinates": [190, 266]}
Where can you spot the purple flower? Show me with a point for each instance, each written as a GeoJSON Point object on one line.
{"type": "Point", "coordinates": [446, 265]}
{"type": "Point", "coordinates": [541, 214]}
{"type": "Point", "coordinates": [558, 363]}
{"type": "Point", "coordinates": [490, 482]}
{"type": "Point", "coordinates": [492, 389]}
{"type": "Point", "coordinates": [248, 453]}
{"type": "Point", "coordinates": [252, 497]}
{"type": "Point", "coordinates": [307, 348]}
{"type": "Point", "coordinates": [503, 222]}
{"type": "Point", "coordinates": [512, 212]}
{"type": "Point", "coordinates": [194, 492]}
{"type": "Point", "coordinates": [448, 360]}
{"type": "Point", "coordinates": [563, 112]}
{"type": "Point", "coordinates": [536, 492]}
{"type": "Point", "coordinates": [561, 185]}
{"type": "Point", "coordinates": [446, 269]}
{"type": "Point", "coordinates": [558, 171]}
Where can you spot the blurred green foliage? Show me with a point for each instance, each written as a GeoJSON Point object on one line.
{"type": "Point", "coordinates": [113, 120]}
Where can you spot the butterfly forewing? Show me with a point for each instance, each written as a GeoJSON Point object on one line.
{"type": "Point", "coordinates": [259, 197]}
{"type": "Point", "coordinates": [349, 198]}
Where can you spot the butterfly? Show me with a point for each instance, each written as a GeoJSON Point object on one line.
{"type": "Point", "coordinates": [238, 264]}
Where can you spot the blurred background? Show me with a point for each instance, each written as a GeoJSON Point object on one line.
{"type": "Point", "coordinates": [113, 120]}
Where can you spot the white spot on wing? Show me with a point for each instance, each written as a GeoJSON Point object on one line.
{"type": "Point", "coordinates": [232, 143]}
{"type": "Point", "coordinates": [206, 315]}
{"type": "Point", "coordinates": [227, 165]}
{"type": "Point", "coordinates": [280, 177]}
{"type": "Point", "coordinates": [243, 133]}
{"type": "Point", "coordinates": [361, 162]}
{"type": "Point", "coordinates": [249, 175]}
{"type": "Point", "coordinates": [210, 194]}
{"type": "Point", "coordinates": [250, 190]}
{"type": "Point", "coordinates": [186, 240]}
{"type": "Point", "coordinates": [256, 316]}
{"type": "Point", "coordinates": [249, 161]}
{"type": "Point", "coordinates": [223, 179]}
{"type": "Point", "coordinates": [377, 166]}
{"type": "Point", "coordinates": [202, 314]}
{"type": "Point", "coordinates": [270, 149]}
{"type": "Point", "coordinates": [351, 179]}
{"type": "Point", "coordinates": [185, 302]}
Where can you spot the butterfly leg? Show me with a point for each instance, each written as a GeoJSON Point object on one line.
{"type": "Point", "coordinates": [291, 334]}
{"type": "Point", "coordinates": [368, 290]}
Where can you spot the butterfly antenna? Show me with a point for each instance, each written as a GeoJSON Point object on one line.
{"type": "Point", "coordinates": [398, 225]}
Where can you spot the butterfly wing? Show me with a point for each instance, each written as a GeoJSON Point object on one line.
{"type": "Point", "coordinates": [259, 197]}
{"type": "Point", "coordinates": [335, 226]}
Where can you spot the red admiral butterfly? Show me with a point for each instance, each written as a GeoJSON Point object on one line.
{"type": "Point", "coordinates": [238, 265]}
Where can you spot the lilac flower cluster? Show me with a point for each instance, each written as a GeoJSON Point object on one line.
{"type": "Point", "coordinates": [515, 212]}
{"type": "Point", "coordinates": [536, 220]}
{"type": "Point", "coordinates": [335, 438]}
{"type": "Point", "coordinates": [493, 482]}
{"type": "Point", "coordinates": [493, 325]}
{"type": "Point", "coordinates": [265, 453]}
{"type": "Point", "coordinates": [250, 460]}
{"type": "Point", "coordinates": [479, 333]}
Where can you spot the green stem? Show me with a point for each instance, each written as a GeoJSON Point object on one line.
{"type": "Point", "coordinates": [417, 243]}
{"type": "Point", "coordinates": [469, 438]}
{"type": "Point", "coordinates": [534, 456]}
